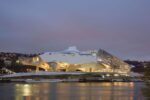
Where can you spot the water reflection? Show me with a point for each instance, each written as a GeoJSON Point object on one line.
{"type": "Point", "coordinates": [146, 91]}
{"type": "Point", "coordinates": [71, 91]}
{"type": "Point", "coordinates": [77, 91]}
{"type": "Point", "coordinates": [32, 91]}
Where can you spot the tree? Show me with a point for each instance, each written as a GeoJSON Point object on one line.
{"type": "Point", "coordinates": [147, 71]}
{"type": "Point", "coordinates": [146, 89]}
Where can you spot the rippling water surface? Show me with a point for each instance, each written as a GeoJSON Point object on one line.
{"type": "Point", "coordinates": [71, 91]}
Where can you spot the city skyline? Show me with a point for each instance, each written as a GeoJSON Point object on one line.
{"type": "Point", "coordinates": [119, 27]}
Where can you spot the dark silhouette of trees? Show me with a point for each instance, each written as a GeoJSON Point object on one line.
{"type": "Point", "coordinates": [146, 89]}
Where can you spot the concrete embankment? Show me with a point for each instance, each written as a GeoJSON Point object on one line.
{"type": "Point", "coordinates": [66, 77]}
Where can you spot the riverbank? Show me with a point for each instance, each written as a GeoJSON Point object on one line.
{"type": "Point", "coordinates": [67, 77]}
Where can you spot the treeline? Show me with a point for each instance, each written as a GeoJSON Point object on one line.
{"type": "Point", "coordinates": [138, 66]}
{"type": "Point", "coordinates": [8, 62]}
{"type": "Point", "coordinates": [14, 55]}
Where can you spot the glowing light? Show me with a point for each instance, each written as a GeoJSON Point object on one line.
{"type": "Point", "coordinates": [107, 75]}
{"type": "Point", "coordinates": [116, 74]}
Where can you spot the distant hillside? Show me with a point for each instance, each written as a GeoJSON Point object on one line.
{"type": "Point", "coordinates": [138, 66]}
{"type": "Point", "coordinates": [8, 62]}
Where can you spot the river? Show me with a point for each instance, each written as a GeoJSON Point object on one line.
{"type": "Point", "coordinates": [71, 91]}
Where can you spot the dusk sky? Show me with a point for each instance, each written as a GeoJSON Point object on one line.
{"type": "Point", "coordinates": [121, 27]}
